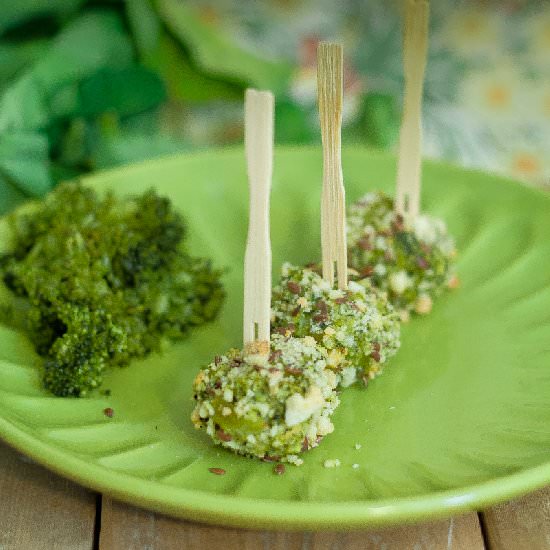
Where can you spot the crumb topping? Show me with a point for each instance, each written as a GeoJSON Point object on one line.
{"type": "Point", "coordinates": [358, 327]}
{"type": "Point", "coordinates": [268, 408]}
{"type": "Point", "coordinates": [412, 264]}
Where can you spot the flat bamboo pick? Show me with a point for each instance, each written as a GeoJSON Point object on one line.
{"type": "Point", "coordinates": [333, 221]}
{"type": "Point", "coordinates": [415, 48]}
{"type": "Point", "coordinates": [257, 263]}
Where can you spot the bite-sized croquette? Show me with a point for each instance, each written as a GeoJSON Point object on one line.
{"type": "Point", "coordinates": [272, 405]}
{"type": "Point", "coordinates": [412, 264]}
{"type": "Point", "coordinates": [358, 326]}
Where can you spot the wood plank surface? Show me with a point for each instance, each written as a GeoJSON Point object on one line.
{"type": "Point", "coordinates": [458, 533]}
{"type": "Point", "coordinates": [127, 528]}
{"type": "Point", "coordinates": [523, 524]}
{"type": "Point", "coordinates": [41, 511]}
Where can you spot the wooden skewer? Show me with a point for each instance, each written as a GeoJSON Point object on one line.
{"type": "Point", "coordinates": [259, 108]}
{"type": "Point", "coordinates": [415, 48]}
{"type": "Point", "coordinates": [333, 221]}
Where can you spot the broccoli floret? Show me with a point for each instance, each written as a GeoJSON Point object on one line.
{"type": "Point", "coordinates": [104, 280]}
{"type": "Point", "coordinates": [77, 359]}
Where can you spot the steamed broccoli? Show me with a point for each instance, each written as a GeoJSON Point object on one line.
{"type": "Point", "coordinates": [76, 360]}
{"type": "Point", "coordinates": [104, 280]}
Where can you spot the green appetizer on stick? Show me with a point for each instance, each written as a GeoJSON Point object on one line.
{"type": "Point", "coordinates": [408, 255]}
{"type": "Point", "coordinates": [413, 263]}
{"type": "Point", "coordinates": [354, 322]}
{"type": "Point", "coordinates": [273, 399]}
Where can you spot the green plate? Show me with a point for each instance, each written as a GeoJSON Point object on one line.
{"type": "Point", "coordinates": [459, 420]}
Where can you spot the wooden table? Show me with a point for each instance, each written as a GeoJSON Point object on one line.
{"type": "Point", "coordinates": [40, 510]}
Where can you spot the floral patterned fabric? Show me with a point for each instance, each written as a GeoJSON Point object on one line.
{"type": "Point", "coordinates": [487, 91]}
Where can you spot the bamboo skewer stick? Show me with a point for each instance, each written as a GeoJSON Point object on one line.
{"type": "Point", "coordinates": [333, 224]}
{"type": "Point", "coordinates": [415, 48]}
{"type": "Point", "coordinates": [259, 108]}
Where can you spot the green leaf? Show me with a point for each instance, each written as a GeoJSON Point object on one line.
{"type": "Point", "coordinates": [145, 25]}
{"type": "Point", "coordinates": [18, 11]}
{"type": "Point", "coordinates": [10, 195]}
{"type": "Point", "coordinates": [215, 52]}
{"type": "Point", "coordinates": [93, 41]}
{"type": "Point", "coordinates": [24, 162]}
{"type": "Point", "coordinates": [126, 91]}
{"type": "Point", "coordinates": [161, 52]}
{"type": "Point", "coordinates": [61, 172]}
{"type": "Point", "coordinates": [74, 144]}
{"type": "Point", "coordinates": [183, 80]}
{"type": "Point", "coordinates": [15, 56]}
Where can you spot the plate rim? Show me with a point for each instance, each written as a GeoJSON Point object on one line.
{"type": "Point", "coordinates": [245, 512]}
{"type": "Point", "coordinates": [236, 511]}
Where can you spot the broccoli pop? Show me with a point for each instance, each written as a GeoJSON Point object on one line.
{"type": "Point", "coordinates": [406, 254]}
{"type": "Point", "coordinates": [274, 398]}
{"type": "Point", "coordinates": [354, 322]}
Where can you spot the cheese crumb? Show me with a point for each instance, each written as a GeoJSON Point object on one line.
{"type": "Point", "coordinates": [358, 446]}
{"type": "Point", "coordinates": [331, 463]}
{"type": "Point", "coordinates": [349, 376]}
{"type": "Point", "coordinates": [325, 426]}
{"type": "Point", "coordinates": [423, 304]}
{"type": "Point", "coordinates": [425, 229]}
{"type": "Point", "coordinates": [355, 466]}
{"type": "Point", "coordinates": [294, 459]}
{"type": "Point", "coordinates": [309, 341]}
{"type": "Point", "coordinates": [399, 282]}
{"type": "Point", "coordinates": [335, 358]}
{"type": "Point", "coordinates": [300, 408]}
{"type": "Point", "coordinates": [228, 395]}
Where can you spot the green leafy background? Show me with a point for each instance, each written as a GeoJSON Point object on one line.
{"type": "Point", "coordinates": [87, 85]}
